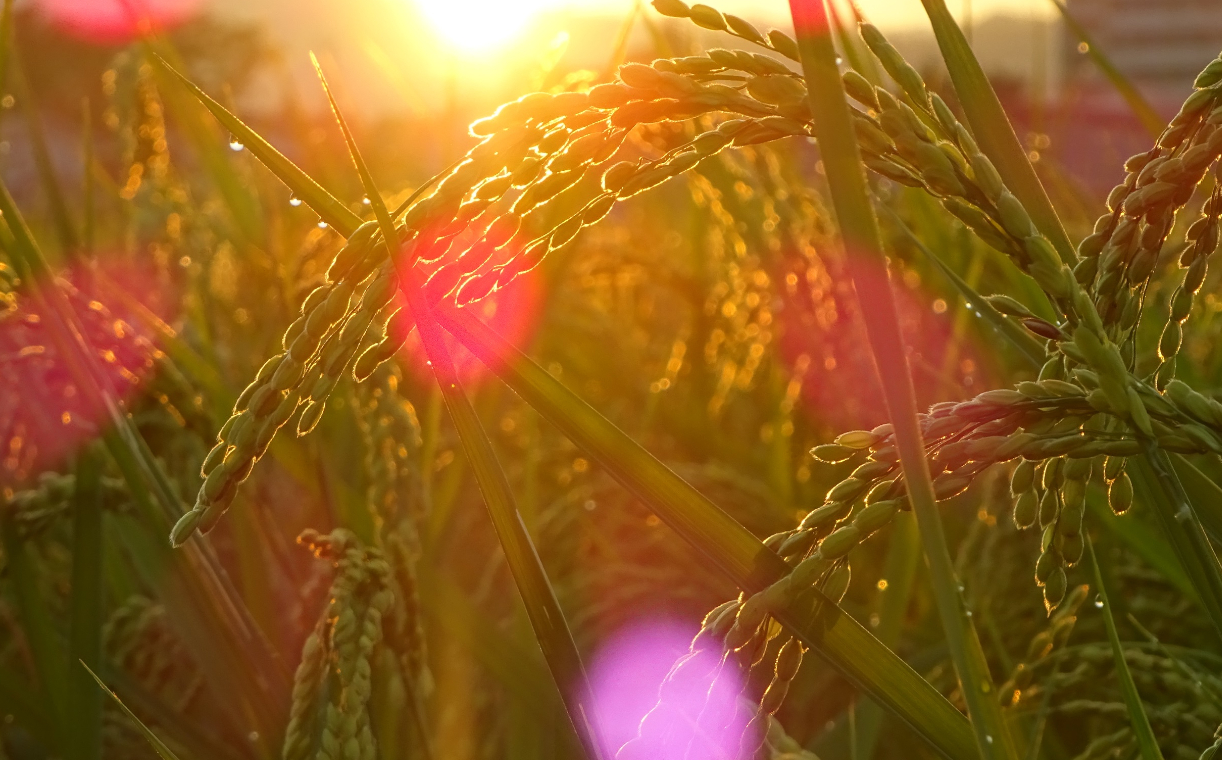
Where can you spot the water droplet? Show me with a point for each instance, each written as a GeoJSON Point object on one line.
{"type": "Point", "coordinates": [961, 588]}
{"type": "Point", "coordinates": [365, 201]}
{"type": "Point", "coordinates": [294, 201]}
{"type": "Point", "coordinates": [322, 225]}
{"type": "Point", "coordinates": [235, 144]}
{"type": "Point", "coordinates": [1099, 601]}
{"type": "Point", "coordinates": [988, 738]}
{"type": "Point", "coordinates": [969, 613]}
{"type": "Point", "coordinates": [839, 60]}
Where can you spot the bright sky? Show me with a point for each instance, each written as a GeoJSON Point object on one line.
{"type": "Point", "coordinates": [478, 25]}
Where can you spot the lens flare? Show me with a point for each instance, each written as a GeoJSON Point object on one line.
{"type": "Point", "coordinates": [822, 337]}
{"type": "Point", "coordinates": [701, 717]}
{"type": "Point", "coordinates": [115, 22]}
{"type": "Point", "coordinates": [44, 416]}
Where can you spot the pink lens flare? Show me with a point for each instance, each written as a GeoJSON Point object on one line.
{"type": "Point", "coordinates": [809, 18]}
{"type": "Point", "coordinates": [511, 311]}
{"type": "Point", "coordinates": [822, 337]}
{"type": "Point", "coordinates": [115, 22]}
{"type": "Point", "coordinates": [701, 716]}
{"type": "Point", "coordinates": [44, 415]}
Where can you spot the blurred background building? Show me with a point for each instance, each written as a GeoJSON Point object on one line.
{"type": "Point", "coordinates": [1161, 45]}
{"type": "Point", "coordinates": [1158, 45]}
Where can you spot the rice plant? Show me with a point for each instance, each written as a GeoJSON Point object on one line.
{"type": "Point", "coordinates": [262, 478]}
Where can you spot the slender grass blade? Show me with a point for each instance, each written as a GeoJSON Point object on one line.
{"type": "Point", "coordinates": [846, 179]}
{"type": "Point", "coordinates": [1140, 722]}
{"type": "Point", "coordinates": [164, 752]}
{"type": "Point", "coordinates": [1155, 481]}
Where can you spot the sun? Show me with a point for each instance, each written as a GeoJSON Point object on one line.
{"type": "Point", "coordinates": [475, 26]}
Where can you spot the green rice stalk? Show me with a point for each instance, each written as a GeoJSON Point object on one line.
{"type": "Point", "coordinates": [1146, 742]}
{"type": "Point", "coordinates": [542, 607]}
{"type": "Point", "coordinates": [340, 651]}
{"type": "Point", "coordinates": [1205, 494]}
{"type": "Point", "coordinates": [239, 199]}
{"type": "Point", "coordinates": [992, 128]}
{"type": "Point", "coordinates": [899, 572]}
{"type": "Point", "coordinates": [855, 54]}
{"type": "Point", "coordinates": [164, 752]}
{"type": "Point", "coordinates": [310, 192]}
{"type": "Point", "coordinates": [85, 626]}
{"type": "Point", "coordinates": [514, 665]}
{"type": "Point", "coordinates": [842, 160]}
{"type": "Point", "coordinates": [46, 646]}
{"type": "Point", "coordinates": [541, 604]}
{"type": "Point", "coordinates": [397, 510]}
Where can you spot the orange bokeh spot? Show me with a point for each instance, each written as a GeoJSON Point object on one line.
{"type": "Point", "coordinates": [115, 22]}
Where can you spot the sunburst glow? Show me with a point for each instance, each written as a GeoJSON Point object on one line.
{"type": "Point", "coordinates": [481, 25]}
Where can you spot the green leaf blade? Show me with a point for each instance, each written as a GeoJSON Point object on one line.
{"type": "Point", "coordinates": [1156, 483]}
{"type": "Point", "coordinates": [844, 170]}
{"type": "Point", "coordinates": [164, 752]}
{"type": "Point", "coordinates": [1146, 742]}
{"type": "Point", "coordinates": [303, 186]}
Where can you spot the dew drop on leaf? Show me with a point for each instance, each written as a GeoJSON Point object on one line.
{"type": "Point", "coordinates": [294, 201]}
